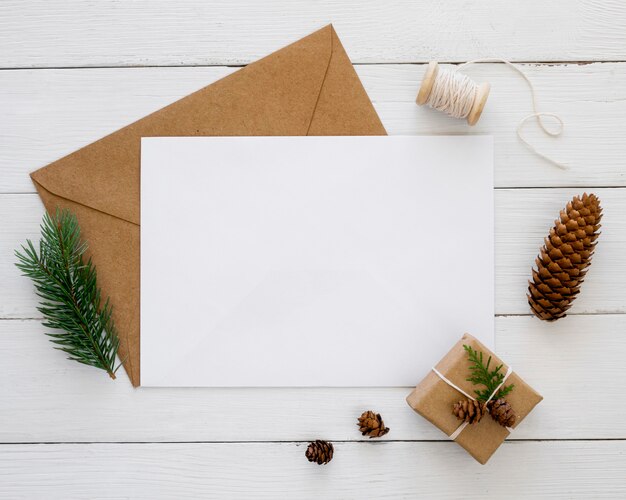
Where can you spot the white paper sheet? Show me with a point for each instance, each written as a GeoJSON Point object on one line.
{"type": "Point", "coordinates": [312, 261]}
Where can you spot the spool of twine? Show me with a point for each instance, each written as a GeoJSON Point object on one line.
{"type": "Point", "coordinates": [453, 93]}
{"type": "Point", "coordinates": [457, 95]}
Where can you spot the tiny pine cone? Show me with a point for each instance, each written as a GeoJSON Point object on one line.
{"type": "Point", "coordinates": [469, 410]}
{"type": "Point", "coordinates": [320, 452]}
{"type": "Point", "coordinates": [371, 424]}
{"type": "Point", "coordinates": [502, 412]}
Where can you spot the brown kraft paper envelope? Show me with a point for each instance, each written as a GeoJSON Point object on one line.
{"type": "Point", "coordinates": [433, 400]}
{"type": "Point", "coordinates": [306, 88]}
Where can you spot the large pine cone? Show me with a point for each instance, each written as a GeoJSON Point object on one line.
{"type": "Point", "coordinates": [320, 452]}
{"type": "Point", "coordinates": [371, 424]}
{"type": "Point", "coordinates": [502, 412]}
{"type": "Point", "coordinates": [469, 411]}
{"type": "Point", "coordinates": [563, 260]}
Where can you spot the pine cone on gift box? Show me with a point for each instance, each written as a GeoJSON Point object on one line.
{"type": "Point", "coordinates": [320, 452]}
{"type": "Point", "coordinates": [371, 424]}
{"type": "Point", "coordinates": [469, 410]}
{"type": "Point", "coordinates": [502, 412]}
{"type": "Point", "coordinates": [563, 260]}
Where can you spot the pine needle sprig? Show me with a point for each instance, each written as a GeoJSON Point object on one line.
{"type": "Point", "coordinates": [481, 375]}
{"type": "Point", "coordinates": [71, 300]}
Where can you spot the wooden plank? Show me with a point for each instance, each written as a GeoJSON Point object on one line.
{"type": "Point", "coordinates": [57, 33]}
{"type": "Point", "coordinates": [279, 470]}
{"type": "Point", "coordinates": [523, 219]}
{"type": "Point", "coordinates": [576, 364]}
{"type": "Point", "coordinates": [50, 113]}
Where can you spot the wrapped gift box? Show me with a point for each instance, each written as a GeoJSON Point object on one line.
{"type": "Point", "coordinates": [433, 399]}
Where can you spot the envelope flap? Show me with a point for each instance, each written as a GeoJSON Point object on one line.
{"type": "Point", "coordinates": [276, 95]}
{"type": "Point", "coordinates": [343, 107]}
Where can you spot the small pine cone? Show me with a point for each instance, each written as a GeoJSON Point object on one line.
{"type": "Point", "coordinates": [371, 424]}
{"type": "Point", "coordinates": [469, 411]}
{"type": "Point", "coordinates": [563, 260]}
{"type": "Point", "coordinates": [502, 412]}
{"type": "Point", "coordinates": [320, 452]}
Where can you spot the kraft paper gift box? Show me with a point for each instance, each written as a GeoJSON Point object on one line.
{"type": "Point", "coordinates": [307, 88]}
{"type": "Point", "coordinates": [433, 399]}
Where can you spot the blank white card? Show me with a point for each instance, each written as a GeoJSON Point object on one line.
{"type": "Point", "coordinates": [312, 261]}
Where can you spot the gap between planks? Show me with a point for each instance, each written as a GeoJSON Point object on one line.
{"type": "Point", "coordinates": [237, 66]}
{"type": "Point", "coordinates": [498, 315]}
{"type": "Point", "coordinates": [496, 188]}
{"type": "Point", "coordinates": [294, 442]}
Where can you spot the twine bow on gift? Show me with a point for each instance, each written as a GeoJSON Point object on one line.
{"type": "Point", "coordinates": [456, 433]}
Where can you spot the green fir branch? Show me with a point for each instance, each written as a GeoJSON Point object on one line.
{"type": "Point", "coordinates": [480, 375]}
{"type": "Point", "coordinates": [71, 300]}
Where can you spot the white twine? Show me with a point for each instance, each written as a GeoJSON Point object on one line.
{"type": "Point", "coordinates": [453, 93]}
{"type": "Point", "coordinates": [460, 428]}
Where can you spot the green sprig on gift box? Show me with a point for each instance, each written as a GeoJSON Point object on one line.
{"type": "Point", "coordinates": [489, 400]}
{"type": "Point", "coordinates": [71, 303]}
{"type": "Point", "coordinates": [481, 375]}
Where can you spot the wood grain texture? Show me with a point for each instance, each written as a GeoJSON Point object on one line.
{"type": "Point", "coordinates": [562, 470]}
{"type": "Point", "coordinates": [523, 220]}
{"type": "Point", "coordinates": [62, 33]}
{"type": "Point", "coordinates": [576, 364]}
{"type": "Point", "coordinates": [50, 113]}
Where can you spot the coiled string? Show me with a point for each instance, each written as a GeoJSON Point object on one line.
{"type": "Point", "coordinates": [453, 93]}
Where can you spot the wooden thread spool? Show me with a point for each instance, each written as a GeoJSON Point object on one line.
{"type": "Point", "coordinates": [480, 96]}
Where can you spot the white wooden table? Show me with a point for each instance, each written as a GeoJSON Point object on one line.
{"type": "Point", "coordinates": [72, 71]}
